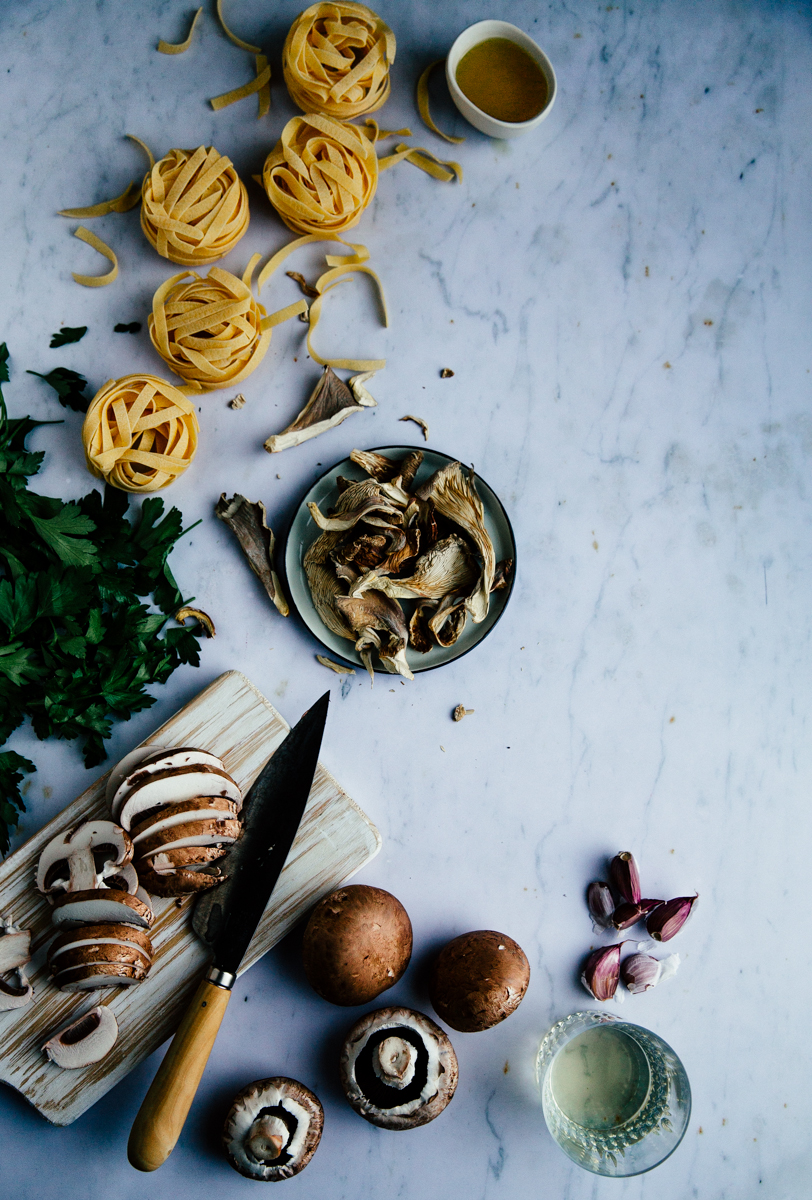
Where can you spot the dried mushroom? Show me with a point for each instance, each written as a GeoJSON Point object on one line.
{"type": "Point", "coordinates": [273, 1129]}
{"type": "Point", "coordinates": [331, 402]}
{"type": "Point", "coordinates": [388, 541]}
{"type": "Point", "coordinates": [86, 1040]}
{"type": "Point", "coordinates": [248, 522]}
{"type": "Point", "coordinates": [398, 1068]}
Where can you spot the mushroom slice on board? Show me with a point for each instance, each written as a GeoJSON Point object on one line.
{"type": "Point", "coordinates": [15, 946]}
{"type": "Point", "coordinates": [210, 832]}
{"type": "Point", "coordinates": [156, 760]}
{"type": "Point", "coordinates": [102, 906]}
{"type": "Point", "coordinates": [273, 1129]}
{"type": "Point", "coordinates": [173, 786]}
{"type": "Point", "coordinates": [456, 498]}
{"type": "Point", "coordinates": [15, 997]}
{"type": "Point", "coordinates": [330, 403]}
{"type": "Point", "coordinates": [196, 809]}
{"type": "Point", "coordinates": [100, 943]}
{"type": "Point", "coordinates": [94, 975]}
{"type": "Point", "coordinates": [82, 858]}
{"type": "Point", "coordinates": [249, 523]}
{"type": "Point", "coordinates": [177, 881]}
{"type": "Point", "coordinates": [398, 1068]}
{"type": "Point", "coordinates": [86, 1040]}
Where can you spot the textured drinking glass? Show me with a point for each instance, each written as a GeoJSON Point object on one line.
{"type": "Point", "coordinates": [615, 1096]}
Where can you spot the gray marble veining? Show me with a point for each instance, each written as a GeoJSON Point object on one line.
{"type": "Point", "coordinates": [624, 299]}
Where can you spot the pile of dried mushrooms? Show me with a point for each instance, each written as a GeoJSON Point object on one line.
{"type": "Point", "coordinates": [388, 541]}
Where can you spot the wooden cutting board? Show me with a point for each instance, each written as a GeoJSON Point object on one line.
{"type": "Point", "coordinates": [335, 839]}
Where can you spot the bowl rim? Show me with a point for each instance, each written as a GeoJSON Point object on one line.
{"type": "Point", "coordinates": [282, 560]}
{"type": "Point", "coordinates": [513, 33]}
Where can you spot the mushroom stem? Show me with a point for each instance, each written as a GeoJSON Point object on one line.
{"type": "Point", "coordinates": [266, 1138]}
{"type": "Point", "coordinates": [393, 1061]}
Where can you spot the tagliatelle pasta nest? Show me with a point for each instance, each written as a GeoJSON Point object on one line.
{"type": "Point", "coordinates": [321, 174]}
{"type": "Point", "coordinates": [194, 206]}
{"type": "Point", "coordinates": [213, 332]}
{"type": "Point", "coordinates": [336, 60]}
{"type": "Point", "coordinates": [139, 433]}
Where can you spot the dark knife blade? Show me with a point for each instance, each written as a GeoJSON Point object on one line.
{"type": "Point", "coordinates": [227, 917]}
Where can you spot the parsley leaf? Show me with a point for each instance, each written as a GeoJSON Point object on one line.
{"type": "Point", "coordinates": [69, 387]}
{"type": "Point", "coordinates": [80, 642]}
{"type": "Point", "coordinates": [66, 335]}
{"type": "Point", "coordinates": [133, 327]}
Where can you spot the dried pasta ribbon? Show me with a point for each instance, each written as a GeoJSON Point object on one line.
{"type": "Point", "coordinates": [321, 174]}
{"type": "Point", "coordinates": [232, 36]}
{"type": "Point", "coordinates": [418, 156]}
{"type": "Point", "coordinates": [326, 283]}
{"type": "Point", "coordinates": [195, 206]}
{"type": "Point", "coordinates": [423, 102]}
{"type": "Point", "coordinates": [139, 433]}
{"type": "Point", "coordinates": [336, 60]}
{"type": "Point", "coordinates": [261, 83]}
{"type": "Point", "coordinates": [212, 332]}
{"type": "Point", "coordinates": [119, 204]}
{"type": "Point", "coordinates": [144, 147]}
{"type": "Point", "coordinates": [360, 254]}
{"type": "Point", "coordinates": [96, 280]}
{"type": "Point", "coordinates": [179, 47]}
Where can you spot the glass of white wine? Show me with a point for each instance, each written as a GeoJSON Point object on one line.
{"type": "Point", "coordinates": [615, 1096]}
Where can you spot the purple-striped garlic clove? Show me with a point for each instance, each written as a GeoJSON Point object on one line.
{"type": "Point", "coordinates": [640, 972]}
{"type": "Point", "coordinates": [602, 971]}
{"type": "Point", "coordinates": [626, 915]}
{"type": "Point", "coordinates": [624, 877]}
{"type": "Point", "coordinates": [668, 919]}
{"type": "Point", "coordinates": [600, 903]}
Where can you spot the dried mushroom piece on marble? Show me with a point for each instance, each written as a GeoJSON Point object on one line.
{"type": "Point", "coordinates": [387, 541]}
{"type": "Point", "coordinates": [331, 402]}
{"type": "Point", "coordinates": [247, 520]}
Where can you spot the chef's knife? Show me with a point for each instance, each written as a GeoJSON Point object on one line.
{"type": "Point", "coordinates": [273, 810]}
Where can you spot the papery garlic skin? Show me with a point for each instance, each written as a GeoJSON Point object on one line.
{"type": "Point", "coordinates": [668, 919]}
{"type": "Point", "coordinates": [625, 877]}
{"type": "Point", "coordinates": [601, 972]}
{"type": "Point", "coordinates": [600, 903]}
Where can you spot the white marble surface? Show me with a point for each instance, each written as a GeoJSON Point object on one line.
{"type": "Point", "coordinates": [624, 298]}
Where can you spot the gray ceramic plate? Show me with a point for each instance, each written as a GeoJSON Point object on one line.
{"type": "Point", "coordinates": [304, 531]}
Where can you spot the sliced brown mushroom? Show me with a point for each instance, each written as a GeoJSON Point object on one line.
{"type": "Point", "coordinates": [102, 906]}
{"type": "Point", "coordinates": [125, 767]}
{"type": "Point", "coordinates": [101, 943]}
{"type": "Point", "coordinates": [199, 808]}
{"type": "Point", "coordinates": [177, 881]}
{"type": "Point", "coordinates": [213, 831]}
{"type": "Point", "coordinates": [398, 1068]}
{"type": "Point", "coordinates": [90, 976]}
{"type": "Point", "coordinates": [15, 952]}
{"type": "Point", "coordinates": [86, 1040]}
{"type": "Point", "coordinates": [248, 521]}
{"type": "Point", "coordinates": [330, 403]}
{"type": "Point", "coordinates": [129, 776]}
{"type": "Point", "coordinates": [273, 1129]}
{"type": "Point", "coordinates": [15, 997]}
{"type": "Point", "coordinates": [173, 786]}
{"type": "Point", "coordinates": [83, 858]}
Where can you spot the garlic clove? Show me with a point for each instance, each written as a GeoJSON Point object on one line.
{"type": "Point", "coordinates": [668, 919]}
{"type": "Point", "coordinates": [624, 877]}
{"type": "Point", "coordinates": [600, 903]}
{"type": "Point", "coordinates": [626, 915]}
{"type": "Point", "coordinates": [602, 971]}
{"type": "Point", "coordinates": [86, 1040]}
{"type": "Point", "coordinates": [640, 972]}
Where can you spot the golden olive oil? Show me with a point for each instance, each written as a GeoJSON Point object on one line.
{"type": "Point", "coordinates": [600, 1079]}
{"type": "Point", "coordinates": [502, 80]}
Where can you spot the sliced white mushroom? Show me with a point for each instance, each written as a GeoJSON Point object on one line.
{"type": "Point", "coordinates": [213, 831]}
{"type": "Point", "coordinates": [184, 857]}
{"type": "Point", "coordinates": [169, 787]}
{"type": "Point", "coordinates": [175, 881]}
{"type": "Point", "coordinates": [125, 767]}
{"type": "Point", "coordinates": [156, 761]}
{"type": "Point", "coordinates": [86, 1040]}
{"type": "Point", "coordinates": [82, 858]}
{"type": "Point", "coordinates": [98, 975]}
{"type": "Point", "coordinates": [15, 946]}
{"type": "Point", "coordinates": [102, 906]}
{"type": "Point", "coordinates": [273, 1129]}
{"type": "Point", "coordinates": [15, 997]}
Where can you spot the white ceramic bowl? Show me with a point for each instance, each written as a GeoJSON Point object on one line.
{"type": "Point", "coordinates": [481, 120]}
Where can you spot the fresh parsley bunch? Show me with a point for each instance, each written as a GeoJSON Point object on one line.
{"type": "Point", "coordinates": [77, 646]}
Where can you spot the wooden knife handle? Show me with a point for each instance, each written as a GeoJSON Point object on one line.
{"type": "Point", "coordinates": [163, 1112]}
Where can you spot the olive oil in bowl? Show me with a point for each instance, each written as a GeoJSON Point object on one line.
{"type": "Point", "coordinates": [502, 80]}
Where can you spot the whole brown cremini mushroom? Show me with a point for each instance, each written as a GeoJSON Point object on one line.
{"type": "Point", "coordinates": [273, 1129]}
{"type": "Point", "coordinates": [478, 980]}
{"type": "Point", "coordinates": [357, 943]}
{"type": "Point", "coordinates": [398, 1068]}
